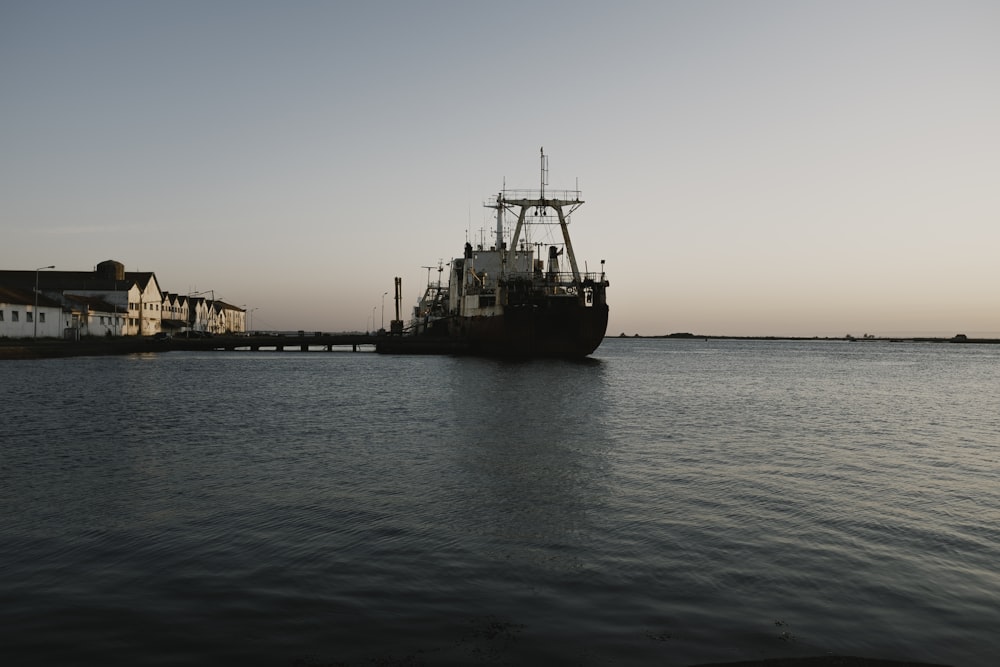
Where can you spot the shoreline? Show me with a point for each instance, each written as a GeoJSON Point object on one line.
{"type": "Point", "coordinates": [960, 339]}
{"type": "Point", "coordinates": [54, 348]}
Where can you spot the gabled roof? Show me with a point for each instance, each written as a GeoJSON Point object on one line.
{"type": "Point", "coordinates": [70, 281]}
{"type": "Point", "coordinates": [179, 299]}
{"type": "Point", "coordinates": [142, 278]}
{"type": "Point", "coordinates": [22, 297]}
{"type": "Point", "coordinates": [222, 305]}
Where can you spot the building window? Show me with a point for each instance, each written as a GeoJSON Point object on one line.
{"type": "Point", "coordinates": [14, 316]}
{"type": "Point", "coordinates": [1, 316]}
{"type": "Point", "coordinates": [41, 317]}
{"type": "Point", "coordinates": [30, 316]}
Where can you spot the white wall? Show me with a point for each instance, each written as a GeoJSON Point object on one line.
{"type": "Point", "coordinates": [51, 327]}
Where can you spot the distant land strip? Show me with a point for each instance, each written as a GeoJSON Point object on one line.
{"type": "Point", "coordinates": [47, 348]}
{"type": "Point", "coordinates": [960, 338]}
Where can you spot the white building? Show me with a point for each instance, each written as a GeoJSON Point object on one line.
{"type": "Point", "coordinates": [106, 301]}
{"type": "Point", "coordinates": [20, 319]}
{"type": "Point", "coordinates": [174, 316]}
{"type": "Point", "coordinates": [230, 318]}
{"type": "Point", "coordinates": [93, 316]}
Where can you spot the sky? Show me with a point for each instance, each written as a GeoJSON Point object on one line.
{"type": "Point", "coordinates": [750, 168]}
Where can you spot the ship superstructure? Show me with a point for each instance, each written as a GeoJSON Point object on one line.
{"type": "Point", "coordinates": [522, 295]}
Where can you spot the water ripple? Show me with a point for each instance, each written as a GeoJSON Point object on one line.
{"type": "Point", "coordinates": [671, 502]}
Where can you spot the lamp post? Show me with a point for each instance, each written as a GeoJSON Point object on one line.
{"type": "Point", "coordinates": [211, 314]}
{"type": "Point", "coordinates": [34, 314]}
{"type": "Point", "coordinates": [114, 325]}
{"type": "Point", "coordinates": [383, 310]}
{"type": "Point", "coordinates": [374, 308]}
{"type": "Point", "coordinates": [250, 323]}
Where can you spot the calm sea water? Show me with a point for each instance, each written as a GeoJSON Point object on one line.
{"type": "Point", "coordinates": [667, 502]}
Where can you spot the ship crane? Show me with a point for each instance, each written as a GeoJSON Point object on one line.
{"type": "Point", "coordinates": [519, 206]}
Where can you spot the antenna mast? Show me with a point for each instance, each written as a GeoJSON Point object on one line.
{"type": "Point", "coordinates": [545, 172]}
{"type": "Point", "coordinates": [544, 177]}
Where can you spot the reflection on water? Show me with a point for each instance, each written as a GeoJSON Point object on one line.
{"type": "Point", "coordinates": [668, 502]}
{"type": "Point", "coordinates": [531, 442]}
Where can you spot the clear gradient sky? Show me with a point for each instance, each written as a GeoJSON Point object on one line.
{"type": "Point", "coordinates": [750, 168]}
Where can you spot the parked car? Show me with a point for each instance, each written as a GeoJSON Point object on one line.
{"type": "Point", "coordinates": [162, 335]}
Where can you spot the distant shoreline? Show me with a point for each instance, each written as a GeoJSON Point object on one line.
{"type": "Point", "coordinates": [50, 348]}
{"type": "Point", "coordinates": [960, 338]}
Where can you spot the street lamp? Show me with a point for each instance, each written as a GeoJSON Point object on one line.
{"type": "Point", "coordinates": [383, 310]}
{"type": "Point", "coordinates": [374, 308]}
{"type": "Point", "coordinates": [34, 315]}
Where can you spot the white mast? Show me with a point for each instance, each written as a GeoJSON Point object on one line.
{"type": "Point", "coordinates": [500, 224]}
{"type": "Point", "coordinates": [544, 178]}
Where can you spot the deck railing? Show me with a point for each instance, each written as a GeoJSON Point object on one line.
{"type": "Point", "coordinates": [559, 278]}
{"type": "Point", "coordinates": [562, 195]}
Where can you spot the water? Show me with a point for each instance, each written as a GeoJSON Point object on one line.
{"type": "Point", "coordinates": [667, 502]}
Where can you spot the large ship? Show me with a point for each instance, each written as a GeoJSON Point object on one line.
{"type": "Point", "coordinates": [523, 295]}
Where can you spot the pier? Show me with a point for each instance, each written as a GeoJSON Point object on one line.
{"type": "Point", "coordinates": [302, 342]}
{"type": "Point", "coordinates": [27, 348]}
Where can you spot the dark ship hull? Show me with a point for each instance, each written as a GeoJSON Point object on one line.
{"type": "Point", "coordinates": [549, 327]}
{"type": "Point", "coordinates": [505, 300]}
{"type": "Point", "coordinates": [548, 330]}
